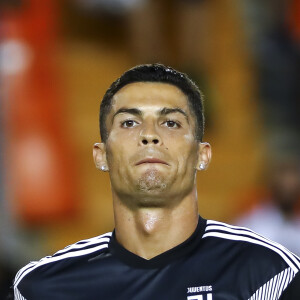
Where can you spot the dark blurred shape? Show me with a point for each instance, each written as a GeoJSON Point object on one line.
{"type": "Point", "coordinates": [85, 25]}
{"type": "Point", "coordinates": [11, 3]}
{"type": "Point", "coordinates": [115, 7]}
{"type": "Point", "coordinates": [279, 77]}
{"type": "Point", "coordinates": [274, 28]}
{"type": "Point", "coordinates": [285, 187]}
{"type": "Point", "coordinates": [277, 216]}
{"type": "Point", "coordinates": [6, 280]}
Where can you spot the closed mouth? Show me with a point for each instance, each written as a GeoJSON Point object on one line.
{"type": "Point", "coordinates": [151, 161]}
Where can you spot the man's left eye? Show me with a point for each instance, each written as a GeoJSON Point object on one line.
{"type": "Point", "coordinates": [172, 124]}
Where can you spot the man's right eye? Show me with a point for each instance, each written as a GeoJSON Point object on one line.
{"type": "Point", "coordinates": [129, 124]}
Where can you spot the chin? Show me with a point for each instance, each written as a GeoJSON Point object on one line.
{"type": "Point", "coordinates": [151, 181]}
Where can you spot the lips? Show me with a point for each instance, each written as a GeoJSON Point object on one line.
{"type": "Point", "coordinates": [151, 161]}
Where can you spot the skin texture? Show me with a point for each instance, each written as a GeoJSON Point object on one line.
{"type": "Point", "coordinates": [152, 157]}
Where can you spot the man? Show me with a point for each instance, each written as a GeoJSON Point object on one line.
{"type": "Point", "coordinates": [152, 122]}
{"type": "Point", "coordinates": [275, 214]}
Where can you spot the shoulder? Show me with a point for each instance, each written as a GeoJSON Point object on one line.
{"type": "Point", "coordinates": [256, 258]}
{"type": "Point", "coordinates": [257, 244]}
{"type": "Point", "coordinates": [51, 265]}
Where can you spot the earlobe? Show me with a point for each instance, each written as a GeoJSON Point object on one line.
{"type": "Point", "coordinates": [99, 154]}
{"type": "Point", "coordinates": [204, 156]}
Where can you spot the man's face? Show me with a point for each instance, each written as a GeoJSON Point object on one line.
{"type": "Point", "coordinates": [151, 149]}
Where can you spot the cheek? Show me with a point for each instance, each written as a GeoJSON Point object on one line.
{"type": "Point", "coordinates": [184, 150]}
{"type": "Point", "coordinates": [191, 146]}
{"type": "Point", "coordinates": [189, 138]}
{"type": "Point", "coordinates": [119, 147]}
{"type": "Point", "coordinates": [124, 136]}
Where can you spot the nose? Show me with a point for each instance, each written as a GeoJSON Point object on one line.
{"type": "Point", "coordinates": [148, 140]}
{"type": "Point", "coordinates": [149, 136]}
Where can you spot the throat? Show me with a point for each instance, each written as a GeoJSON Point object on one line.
{"type": "Point", "coordinates": [152, 230]}
{"type": "Point", "coordinates": [150, 223]}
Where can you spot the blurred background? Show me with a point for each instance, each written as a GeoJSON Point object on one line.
{"type": "Point", "coordinates": [58, 57]}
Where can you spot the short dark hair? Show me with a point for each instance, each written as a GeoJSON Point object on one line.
{"type": "Point", "coordinates": [155, 73]}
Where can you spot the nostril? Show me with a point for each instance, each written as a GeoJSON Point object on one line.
{"type": "Point", "coordinates": [155, 141]}
{"type": "Point", "coordinates": [145, 142]}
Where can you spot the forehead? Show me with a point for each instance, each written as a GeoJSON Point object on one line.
{"type": "Point", "coordinates": [148, 94]}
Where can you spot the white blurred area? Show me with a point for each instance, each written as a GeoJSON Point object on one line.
{"type": "Point", "coordinates": [15, 57]}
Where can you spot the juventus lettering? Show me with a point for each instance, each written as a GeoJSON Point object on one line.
{"type": "Point", "coordinates": [197, 289]}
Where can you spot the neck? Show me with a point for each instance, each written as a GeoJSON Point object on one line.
{"type": "Point", "coordinates": [150, 231]}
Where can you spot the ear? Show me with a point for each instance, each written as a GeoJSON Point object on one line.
{"type": "Point", "coordinates": [99, 154]}
{"type": "Point", "coordinates": [204, 156]}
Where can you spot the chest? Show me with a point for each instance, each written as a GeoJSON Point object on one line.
{"type": "Point", "coordinates": [191, 278]}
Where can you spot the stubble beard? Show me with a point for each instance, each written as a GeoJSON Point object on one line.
{"type": "Point", "coordinates": [151, 181]}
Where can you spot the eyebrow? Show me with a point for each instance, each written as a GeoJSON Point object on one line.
{"type": "Point", "coordinates": [132, 111]}
{"type": "Point", "coordinates": [163, 112]}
